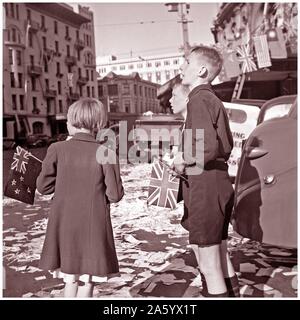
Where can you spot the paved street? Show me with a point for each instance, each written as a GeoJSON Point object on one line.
{"type": "Point", "coordinates": [154, 256]}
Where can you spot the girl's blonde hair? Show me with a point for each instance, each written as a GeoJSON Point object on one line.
{"type": "Point", "coordinates": [87, 113]}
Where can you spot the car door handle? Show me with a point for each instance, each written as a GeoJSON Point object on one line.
{"type": "Point", "coordinates": [254, 153]}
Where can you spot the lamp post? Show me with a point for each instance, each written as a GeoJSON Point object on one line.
{"type": "Point", "coordinates": [183, 10]}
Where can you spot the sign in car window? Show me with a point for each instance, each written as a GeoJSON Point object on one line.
{"type": "Point", "coordinates": [242, 121]}
{"type": "Point", "coordinates": [278, 111]}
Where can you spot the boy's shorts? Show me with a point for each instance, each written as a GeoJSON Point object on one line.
{"type": "Point", "coordinates": [208, 203]}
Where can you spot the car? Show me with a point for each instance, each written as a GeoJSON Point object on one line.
{"type": "Point", "coordinates": [9, 144]}
{"type": "Point", "coordinates": [265, 204]}
{"type": "Point", "coordinates": [37, 140]}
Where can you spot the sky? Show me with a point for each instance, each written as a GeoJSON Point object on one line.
{"type": "Point", "coordinates": [147, 28]}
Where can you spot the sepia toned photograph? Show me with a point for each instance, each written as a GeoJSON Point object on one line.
{"type": "Point", "coordinates": [149, 151]}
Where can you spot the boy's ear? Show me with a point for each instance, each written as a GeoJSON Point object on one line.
{"type": "Point", "coordinates": [203, 72]}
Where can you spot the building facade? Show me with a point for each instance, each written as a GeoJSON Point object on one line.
{"type": "Point", "coordinates": [158, 69]}
{"type": "Point", "coordinates": [48, 63]}
{"type": "Point", "coordinates": [128, 94]}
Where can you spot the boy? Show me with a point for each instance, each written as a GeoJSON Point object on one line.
{"type": "Point", "coordinates": [209, 197]}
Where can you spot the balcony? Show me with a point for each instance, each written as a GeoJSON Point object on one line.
{"type": "Point", "coordinates": [44, 29]}
{"type": "Point", "coordinates": [48, 53]}
{"type": "Point", "coordinates": [50, 93]}
{"type": "Point", "coordinates": [70, 60]}
{"type": "Point", "coordinates": [67, 37]}
{"type": "Point", "coordinates": [73, 97]}
{"type": "Point", "coordinates": [82, 81]}
{"type": "Point", "coordinates": [57, 53]}
{"type": "Point", "coordinates": [34, 71]}
{"type": "Point", "coordinates": [79, 44]}
{"type": "Point", "coordinates": [59, 75]}
{"type": "Point", "coordinates": [33, 25]}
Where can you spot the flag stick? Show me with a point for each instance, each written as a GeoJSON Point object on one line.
{"type": "Point", "coordinates": [31, 155]}
{"type": "Point", "coordinates": [177, 174]}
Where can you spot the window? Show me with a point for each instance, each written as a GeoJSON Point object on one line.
{"type": "Point", "coordinates": [59, 87]}
{"type": "Point", "coordinates": [56, 47]}
{"type": "Point", "coordinates": [77, 34]}
{"type": "Point", "coordinates": [68, 50]}
{"type": "Point", "coordinates": [30, 42]}
{"type": "Point", "coordinates": [67, 32]}
{"type": "Point", "coordinates": [100, 91]}
{"type": "Point", "coordinates": [14, 35]}
{"type": "Point", "coordinates": [79, 72]}
{"type": "Point", "coordinates": [122, 67]}
{"type": "Point", "coordinates": [14, 102]}
{"type": "Point", "coordinates": [12, 10]}
{"type": "Point", "coordinates": [92, 75]}
{"type": "Point", "coordinates": [12, 80]}
{"type": "Point", "coordinates": [135, 89]}
{"type": "Point", "coordinates": [48, 101]}
{"type": "Point", "coordinates": [19, 60]}
{"type": "Point", "coordinates": [157, 64]}
{"type": "Point", "coordinates": [33, 83]}
{"type": "Point", "coordinates": [93, 92]}
{"type": "Point", "coordinates": [10, 56]}
{"type": "Point", "coordinates": [31, 60]}
{"type": "Point", "coordinates": [22, 102]}
{"type": "Point", "coordinates": [149, 64]}
{"type": "Point", "coordinates": [47, 84]}
{"type": "Point", "coordinates": [145, 91]}
{"type": "Point", "coordinates": [44, 43]}
{"type": "Point", "coordinates": [114, 68]}
{"type": "Point", "coordinates": [126, 89]}
{"type": "Point", "coordinates": [167, 75]}
{"type": "Point", "coordinates": [175, 61]}
{"type": "Point", "coordinates": [60, 106]}
{"type": "Point", "coordinates": [176, 72]}
{"type": "Point", "coordinates": [42, 22]}
{"type": "Point", "coordinates": [158, 76]}
{"type": "Point", "coordinates": [131, 66]}
{"type": "Point", "coordinates": [149, 76]}
{"type": "Point", "coordinates": [17, 11]}
{"type": "Point", "coordinates": [55, 27]}
{"type": "Point", "coordinates": [127, 106]}
{"type": "Point", "coordinates": [28, 12]}
{"type": "Point", "coordinates": [112, 89]}
{"type": "Point", "coordinates": [45, 65]}
{"type": "Point", "coordinates": [166, 62]}
{"type": "Point", "coordinates": [69, 69]}
{"type": "Point", "coordinates": [87, 74]}
{"type": "Point", "coordinates": [78, 54]}
{"type": "Point", "coordinates": [88, 91]}
{"type": "Point", "coordinates": [57, 68]}
{"type": "Point", "coordinates": [34, 103]}
{"type": "Point", "coordinates": [37, 127]}
{"type": "Point", "coordinates": [140, 65]}
{"type": "Point", "coordinates": [140, 90]}
{"type": "Point", "coordinates": [80, 91]}
{"type": "Point", "coordinates": [20, 80]}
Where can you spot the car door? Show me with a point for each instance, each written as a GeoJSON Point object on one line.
{"type": "Point", "coordinates": [265, 207]}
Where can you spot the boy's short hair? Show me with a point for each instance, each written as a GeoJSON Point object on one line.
{"type": "Point", "coordinates": [87, 113]}
{"type": "Point", "coordinates": [212, 57]}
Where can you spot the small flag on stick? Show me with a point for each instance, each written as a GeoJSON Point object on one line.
{"type": "Point", "coordinates": [246, 58]}
{"type": "Point", "coordinates": [262, 51]}
{"type": "Point", "coordinates": [163, 187]}
{"type": "Point", "coordinates": [23, 174]}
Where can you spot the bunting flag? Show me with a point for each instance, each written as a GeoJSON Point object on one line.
{"type": "Point", "coordinates": [276, 44]}
{"type": "Point", "coordinates": [246, 58]}
{"type": "Point", "coordinates": [70, 79]}
{"type": "Point", "coordinates": [24, 171]}
{"type": "Point", "coordinates": [163, 187]}
{"type": "Point", "coordinates": [262, 51]}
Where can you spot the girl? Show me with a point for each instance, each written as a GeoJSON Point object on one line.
{"type": "Point", "coordinates": [79, 244]}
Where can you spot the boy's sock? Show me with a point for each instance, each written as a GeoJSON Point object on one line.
{"type": "Point", "coordinates": [232, 285]}
{"type": "Point", "coordinates": [218, 295]}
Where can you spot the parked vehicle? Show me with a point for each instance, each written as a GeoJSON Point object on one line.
{"type": "Point", "coordinates": [265, 207]}
{"type": "Point", "coordinates": [37, 140]}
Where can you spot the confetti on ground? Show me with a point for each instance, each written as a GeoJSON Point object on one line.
{"type": "Point", "coordinates": [27, 295]}
{"type": "Point", "coordinates": [40, 278]}
{"type": "Point", "coordinates": [264, 272]}
{"type": "Point", "coordinates": [246, 290]}
{"type": "Point", "coordinates": [150, 287]}
{"type": "Point", "coordinates": [263, 287]}
{"type": "Point", "coordinates": [247, 268]}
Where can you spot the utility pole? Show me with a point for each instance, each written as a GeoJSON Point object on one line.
{"type": "Point", "coordinates": [183, 11]}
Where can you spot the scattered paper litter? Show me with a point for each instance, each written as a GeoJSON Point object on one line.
{"type": "Point", "coordinates": [262, 262]}
{"type": "Point", "coordinates": [246, 290]}
{"type": "Point", "coordinates": [150, 288]}
{"type": "Point", "coordinates": [277, 270]}
{"type": "Point", "coordinates": [280, 253]}
{"type": "Point", "coordinates": [247, 267]}
{"type": "Point", "coordinates": [40, 278]}
{"type": "Point", "coordinates": [131, 239]}
{"type": "Point", "coordinates": [264, 272]}
{"type": "Point", "coordinates": [247, 281]}
{"type": "Point", "coordinates": [263, 287]}
{"type": "Point", "coordinates": [291, 273]}
{"type": "Point", "coordinates": [127, 270]}
{"type": "Point", "coordinates": [27, 295]}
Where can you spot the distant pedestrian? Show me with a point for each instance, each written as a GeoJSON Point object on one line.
{"type": "Point", "coordinates": [208, 197]}
{"type": "Point", "coordinates": [79, 243]}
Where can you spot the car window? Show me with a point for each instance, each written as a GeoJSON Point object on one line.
{"type": "Point", "coordinates": [277, 111]}
{"type": "Point", "coordinates": [237, 116]}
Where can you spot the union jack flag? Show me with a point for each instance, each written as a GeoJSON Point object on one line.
{"type": "Point", "coordinates": [20, 160]}
{"type": "Point", "coordinates": [163, 187]}
{"type": "Point", "coordinates": [21, 182]}
{"type": "Point", "coordinates": [246, 58]}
